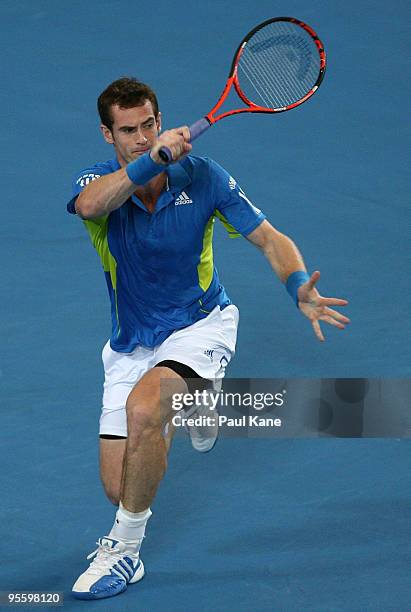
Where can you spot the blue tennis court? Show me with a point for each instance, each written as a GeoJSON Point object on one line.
{"type": "Point", "coordinates": [316, 523]}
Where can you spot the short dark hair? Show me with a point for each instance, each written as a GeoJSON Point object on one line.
{"type": "Point", "coordinates": [125, 92]}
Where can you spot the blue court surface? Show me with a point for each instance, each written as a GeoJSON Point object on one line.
{"type": "Point", "coordinates": [258, 524]}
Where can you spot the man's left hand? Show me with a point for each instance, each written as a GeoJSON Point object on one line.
{"type": "Point", "coordinates": [316, 308]}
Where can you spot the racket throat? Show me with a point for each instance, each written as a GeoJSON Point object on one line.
{"type": "Point", "coordinates": [211, 118]}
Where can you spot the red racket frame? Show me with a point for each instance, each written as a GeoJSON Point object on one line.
{"type": "Point", "coordinates": [233, 78]}
{"type": "Point", "coordinates": [200, 126]}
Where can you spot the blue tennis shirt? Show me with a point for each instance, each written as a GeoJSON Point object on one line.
{"type": "Point", "coordinates": [159, 266]}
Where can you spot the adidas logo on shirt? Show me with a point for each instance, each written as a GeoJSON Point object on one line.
{"type": "Point", "coordinates": [183, 199]}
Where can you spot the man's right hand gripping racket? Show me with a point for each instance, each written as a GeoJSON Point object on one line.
{"type": "Point", "coordinates": [279, 65]}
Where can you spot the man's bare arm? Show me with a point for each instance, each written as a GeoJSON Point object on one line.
{"type": "Point", "coordinates": [104, 195]}
{"type": "Point", "coordinates": [109, 192]}
{"type": "Point", "coordinates": [279, 249]}
{"type": "Point", "coordinates": [287, 262]}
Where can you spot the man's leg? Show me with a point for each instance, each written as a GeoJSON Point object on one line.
{"type": "Point", "coordinates": [144, 458]}
{"type": "Point", "coordinates": [148, 412]}
{"type": "Point", "coordinates": [111, 465]}
{"type": "Point", "coordinates": [112, 450]}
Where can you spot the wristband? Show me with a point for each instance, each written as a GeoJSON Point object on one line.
{"type": "Point", "coordinates": [141, 170]}
{"type": "Point", "coordinates": [295, 280]}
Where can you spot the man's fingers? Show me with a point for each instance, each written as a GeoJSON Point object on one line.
{"type": "Point", "coordinates": [314, 278]}
{"type": "Point", "coordinates": [318, 307]}
{"type": "Point", "coordinates": [332, 302]}
{"type": "Point", "coordinates": [177, 140]}
{"type": "Point", "coordinates": [317, 331]}
{"type": "Point", "coordinates": [184, 132]}
{"type": "Point", "coordinates": [337, 315]}
{"type": "Point", "coordinates": [182, 146]}
{"type": "Point", "coordinates": [332, 321]}
{"type": "Point", "coordinates": [176, 136]}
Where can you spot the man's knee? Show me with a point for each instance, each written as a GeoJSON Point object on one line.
{"type": "Point", "coordinates": [149, 403]}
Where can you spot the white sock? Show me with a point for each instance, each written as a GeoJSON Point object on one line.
{"type": "Point", "coordinates": [130, 526]}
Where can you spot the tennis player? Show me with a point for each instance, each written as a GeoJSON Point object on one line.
{"type": "Point", "coordinates": [172, 320]}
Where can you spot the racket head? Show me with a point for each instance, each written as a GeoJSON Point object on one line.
{"type": "Point", "coordinates": [278, 65]}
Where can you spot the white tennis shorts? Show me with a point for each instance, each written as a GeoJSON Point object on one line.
{"type": "Point", "coordinates": [206, 346]}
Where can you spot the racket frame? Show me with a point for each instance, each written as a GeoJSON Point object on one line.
{"type": "Point", "coordinates": [200, 126]}
{"type": "Point", "coordinates": [233, 75]}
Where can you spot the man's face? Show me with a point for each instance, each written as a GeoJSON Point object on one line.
{"type": "Point", "coordinates": [134, 131]}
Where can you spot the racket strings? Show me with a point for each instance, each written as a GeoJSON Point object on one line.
{"type": "Point", "coordinates": [255, 69]}
{"type": "Point", "coordinates": [283, 53]}
{"type": "Point", "coordinates": [258, 81]}
{"type": "Point", "coordinates": [280, 64]}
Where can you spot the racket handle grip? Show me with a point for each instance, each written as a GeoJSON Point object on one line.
{"type": "Point", "coordinates": [196, 129]}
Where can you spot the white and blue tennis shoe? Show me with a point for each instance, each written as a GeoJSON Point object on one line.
{"type": "Point", "coordinates": [115, 565]}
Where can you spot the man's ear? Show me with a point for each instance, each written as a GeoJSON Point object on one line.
{"type": "Point", "coordinates": [158, 122]}
{"type": "Point", "coordinates": [107, 135]}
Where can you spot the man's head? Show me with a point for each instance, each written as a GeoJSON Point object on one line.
{"type": "Point", "coordinates": [130, 119]}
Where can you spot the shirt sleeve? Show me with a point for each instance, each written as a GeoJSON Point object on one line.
{"type": "Point", "coordinates": [81, 180]}
{"type": "Point", "coordinates": [232, 205]}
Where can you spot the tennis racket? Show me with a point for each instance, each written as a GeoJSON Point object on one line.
{"type": "Point", "coordinates": [279, 65]}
